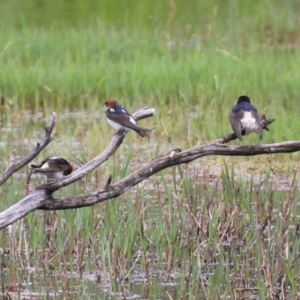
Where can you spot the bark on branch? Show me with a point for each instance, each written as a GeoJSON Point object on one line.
{"type": "Point", "coordinates": [13, 165]}
{"type": "Point", "coordinates": [42, 197]}
{"type": "Point", "coordinates": [38, 198]}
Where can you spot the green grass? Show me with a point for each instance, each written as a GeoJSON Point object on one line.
{"type": "Point", "coordinates": [216, 228]}
{"type": "Point", "coordinates": [189, 236]}
{"type": "Point", "coordinates": [197, 68]}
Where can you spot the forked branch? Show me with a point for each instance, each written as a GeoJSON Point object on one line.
{"type": "Point", "coordinates": [160, 163]}
{"type": "Point", "coordinates": [42, 197]}
{"type": "Point", "coordinates": [230, 137]}
{"type": "Point", "coordinates": [13, 165]}
{"type": "Point", "coordinates": [37, 199]}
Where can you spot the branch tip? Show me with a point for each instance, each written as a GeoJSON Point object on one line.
{"type": "Point", "coordinates": [13, 165]}
{"type": "Point", "coordinates": [12, 159]}
{"type": "Point", "coordinates": [51, 124]}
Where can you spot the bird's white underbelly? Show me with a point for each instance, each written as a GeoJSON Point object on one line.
{"type": "Point", "coordinates": [50, 174]}
{"type": "Point", "coordinates": [45, 166]}
{"type": "Point", "coordinates": [117, 125]}
{"type": "Point", "coordinates": [249, 123]}
{"type": "Point", "coordinates": [56, 175]}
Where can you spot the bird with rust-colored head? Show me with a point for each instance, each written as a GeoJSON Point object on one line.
{"type": "Point", "coordinates": [119, 118]}
{"type": "Point", "coordinates": [244, 118]}
{"type": "Point", "coordinates": [53, 167]}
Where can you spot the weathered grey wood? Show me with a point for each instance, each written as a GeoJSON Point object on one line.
{"type": "Point", "coordinates": [22, 208]}
{"type": "Point", "coordinates": [163, 162]}
{"type": "Point", "coordinates": [13, 165]}
{"type": "Point", "coordinates": [101, 158]}
{"type": "Point", "coordinates": [43, 193]}
{"type": "Point", "coordinates": [42, 197]}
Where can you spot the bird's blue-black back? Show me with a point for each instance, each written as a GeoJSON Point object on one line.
{"type": "Point", "coordinates": [59, 160]}
{"type": "Point", "coordinates": [119, 110]}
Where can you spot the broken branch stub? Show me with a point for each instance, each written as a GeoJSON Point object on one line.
{"type": "Point", "coordinates": [42, 197]}
{"type": "Point", "coordinates": [13, 165]}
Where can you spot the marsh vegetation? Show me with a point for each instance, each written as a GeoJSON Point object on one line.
{"type": "Point", "coordinates": [217, 228]}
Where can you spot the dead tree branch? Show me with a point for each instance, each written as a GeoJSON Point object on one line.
{"type": "Point", "coordinates": [101, 158]}
{"type": "Point", "coordinates": [160, 163]}
{"type": "Point", "coordinates": [42, 197]}
{"type": "Point", "coordinates": [36, 199]}
{"type": "Point", "coordinates": [230, 137]}
{"type": "Point", "coordinates": [13, 165]}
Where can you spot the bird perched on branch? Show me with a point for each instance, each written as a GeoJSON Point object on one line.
{"type": "Point", "coordinates": [119, 118]}
{"type": "Point", "coordinates": [244, 118]}
{"type": "Point", "coordinates": [53, 167]}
